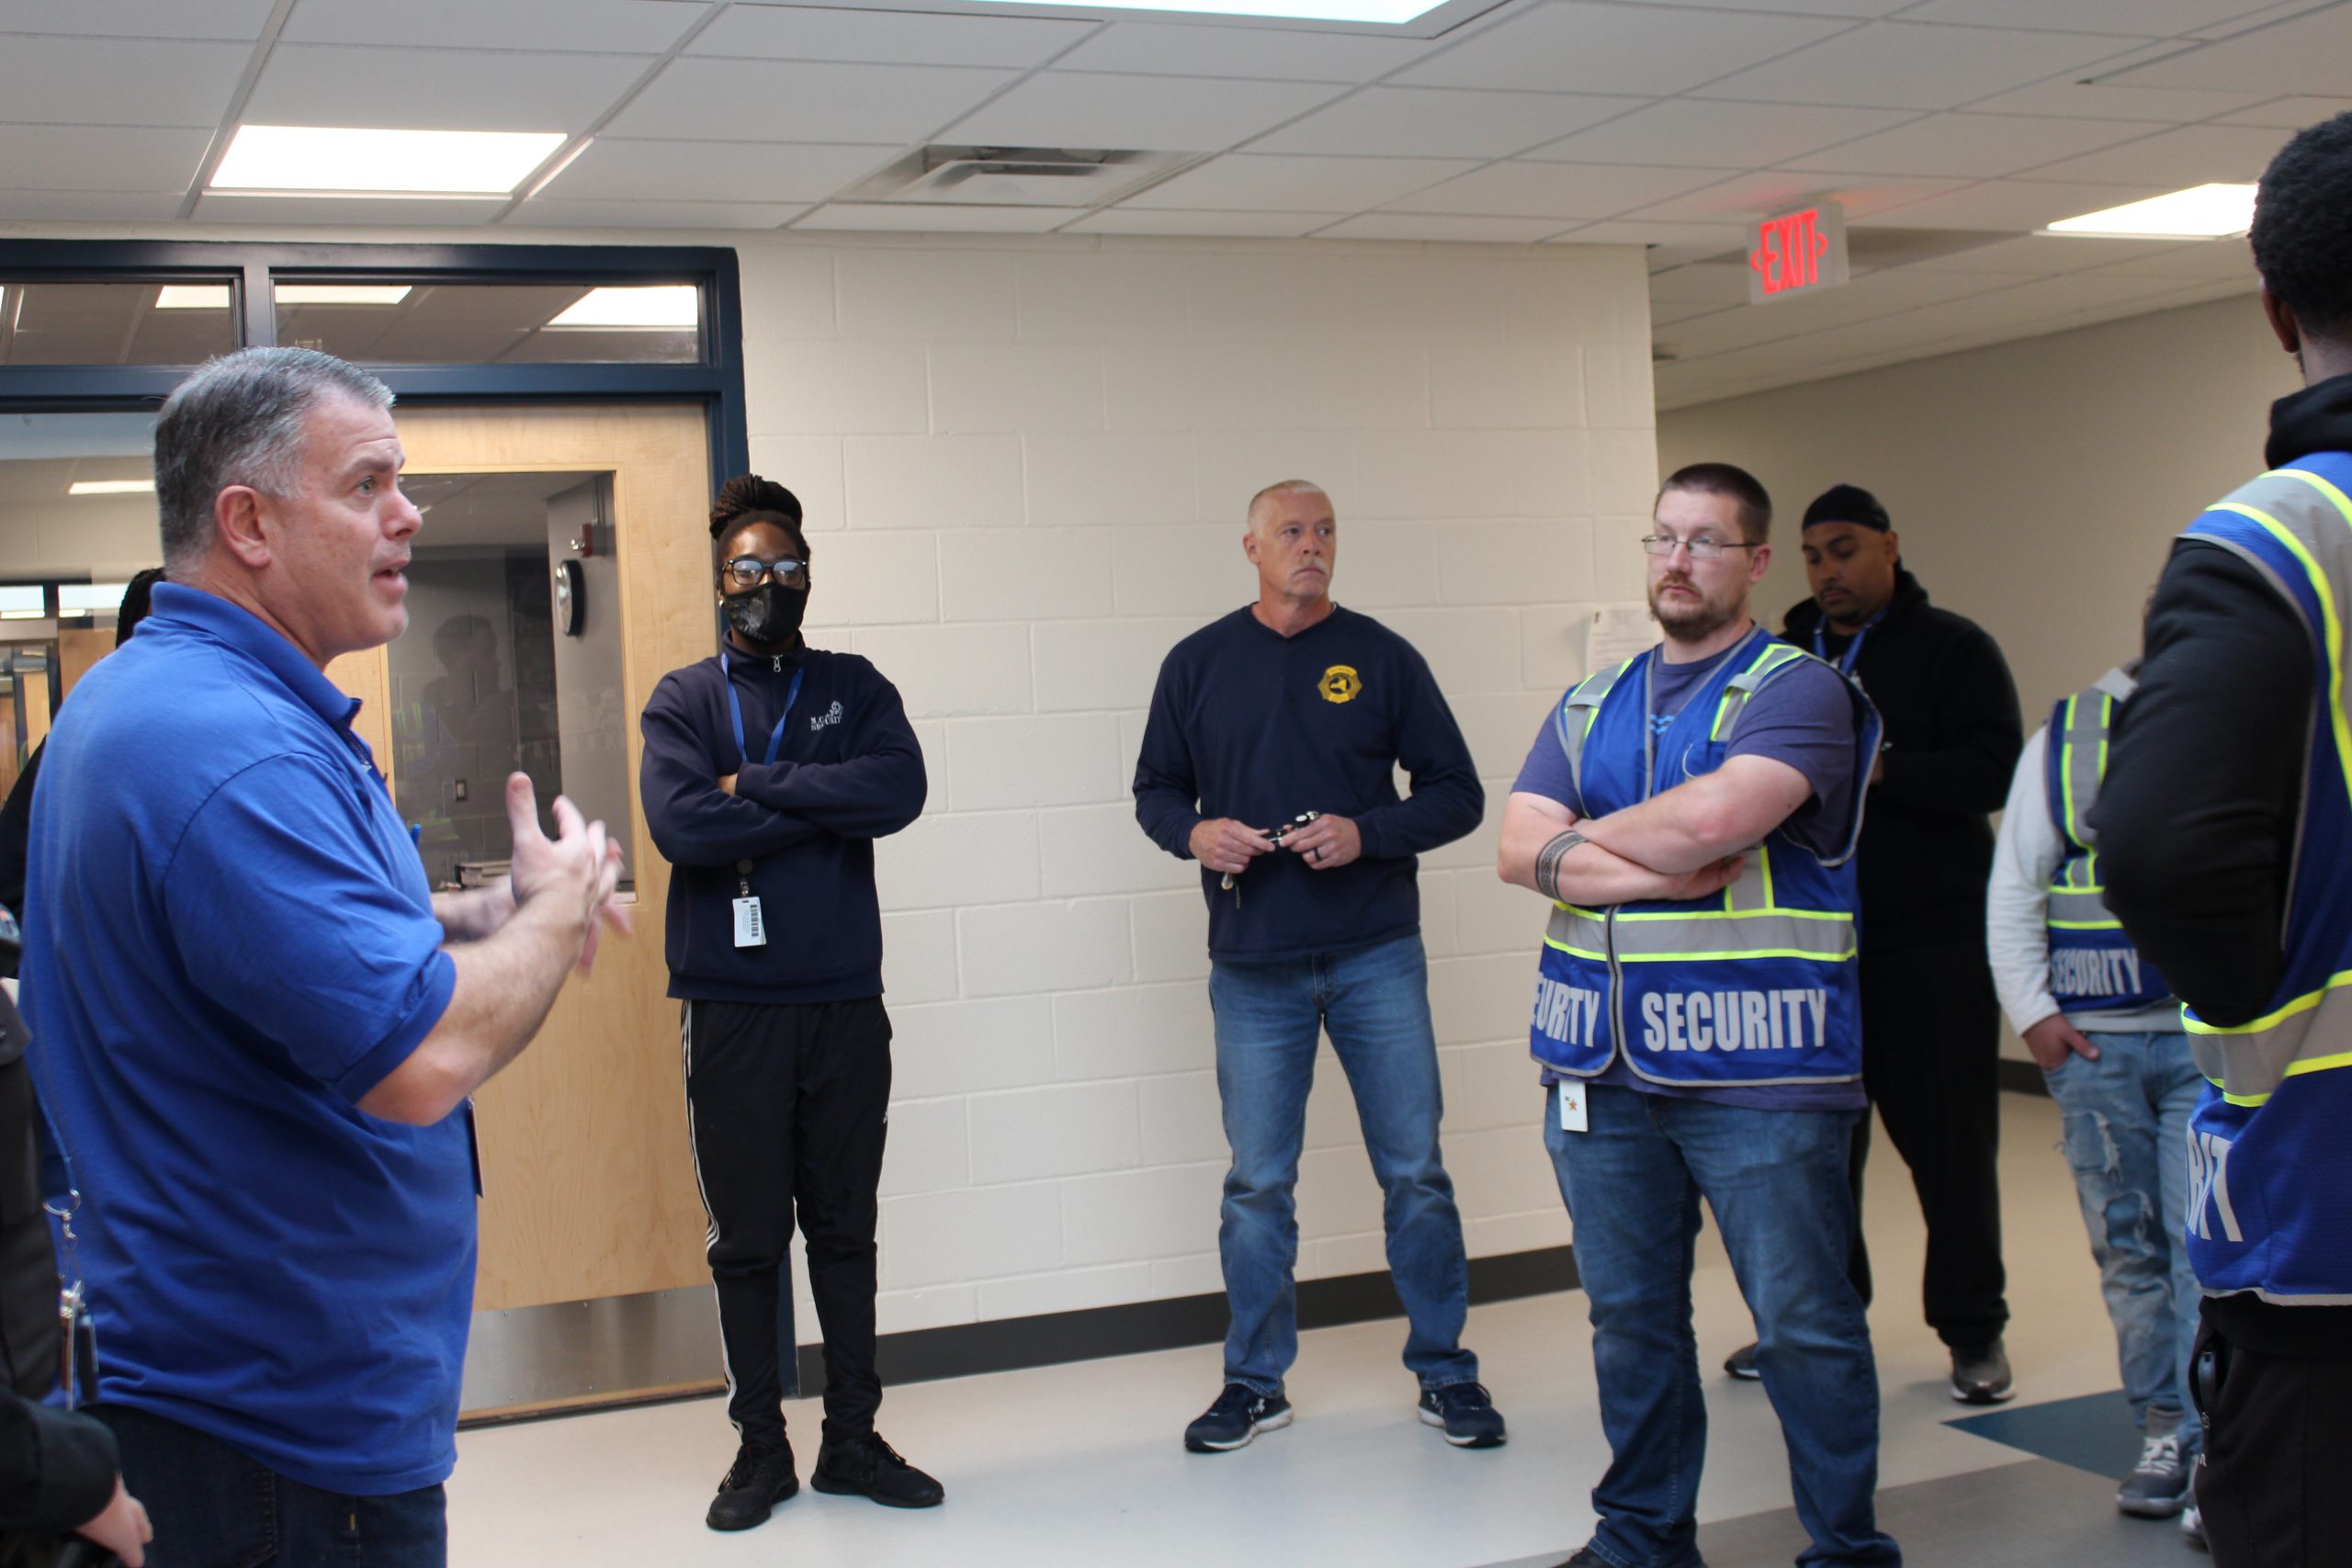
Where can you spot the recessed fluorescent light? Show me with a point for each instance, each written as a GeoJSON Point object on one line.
{"type": "Point", "coordinates": [296, 160]}
{"type": "Point", "coordinates": [2202, 212]}
{"type": "Point", "coordinates": [192, 297]}
{"type": "Point", "coordinates": [1390, 11]}
{"type": "Point", "coordinates": [669, 305]}
{"type": "Point", "coordinates": [110, 486]}
{"type": "Point", "coordinates": [340, 293]}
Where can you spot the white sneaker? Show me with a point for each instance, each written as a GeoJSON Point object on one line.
{"type": "Point", "coordinates": [2192, 1527]}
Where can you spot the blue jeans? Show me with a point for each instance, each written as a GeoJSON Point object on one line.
{"type": "Point", "coordinates": [2126, 1118]}
{"type": "Point", "coordinates": [1375, 1003]}
{"type": "Point", "coordinates": [213, 1507]}
{"type": "Point", "coordinates": [1776, 1180]}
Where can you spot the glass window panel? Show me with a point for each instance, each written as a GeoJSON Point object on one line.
{"type": "Point", "coordinates": [115, 323]}
{"type": "Point", "coordinates": [49, 533]}
{"type": "Point", "coordinates": [486, 681]}
{"type": "Point", "coordinates": [92, 601]}
{"type": "Point", "coordinates": [477, 323]}
{"type": "Point", "coordinates": [22, 602]}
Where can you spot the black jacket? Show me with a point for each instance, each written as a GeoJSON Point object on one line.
{"type": "Point", "coordinates": [1952, 739]}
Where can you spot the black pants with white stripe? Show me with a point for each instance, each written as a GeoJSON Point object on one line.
{"type": "Point", "coordinates": [789, 1105]}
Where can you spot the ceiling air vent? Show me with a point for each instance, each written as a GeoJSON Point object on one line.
{"type": "Point", "coordinates": [1016, 177]}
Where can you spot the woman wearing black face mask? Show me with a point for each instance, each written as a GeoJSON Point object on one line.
{"type": "Point", "coordinates": [769, 771]}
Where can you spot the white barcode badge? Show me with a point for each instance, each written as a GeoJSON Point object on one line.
{"type": "Point", "coordinates": [750, 930]}
{"type": "Point", "coordinates": [1572, 1107]}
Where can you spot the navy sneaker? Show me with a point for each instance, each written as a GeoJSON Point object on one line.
{"type": "Point", "coordinates": [2158, 1488]}
{"type": "Point", "coordinates": [1741, 1364]}
{"type": "Point", "coordinates": [1467, 1414]}
{"type": "Point", "coordinates": [1240, 1414]}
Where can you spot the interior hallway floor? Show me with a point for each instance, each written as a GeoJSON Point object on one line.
{"type": "Point", "coordinates": [1083, 1466]}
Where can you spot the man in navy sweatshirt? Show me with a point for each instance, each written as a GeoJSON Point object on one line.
{"type": "Point", "coordinates": [768, 772]}
{"type": "Point", "coordinates": [1270, 758]}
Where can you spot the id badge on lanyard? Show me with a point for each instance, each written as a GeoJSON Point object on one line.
{"type": "Point", "coordinates": [751, 925]}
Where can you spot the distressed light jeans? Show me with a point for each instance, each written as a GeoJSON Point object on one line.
{"type": "Point", "coordinates": [2125, 1140]}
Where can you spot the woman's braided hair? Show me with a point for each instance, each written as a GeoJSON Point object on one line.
{"type": "Point", "coordinates": [748, 498]}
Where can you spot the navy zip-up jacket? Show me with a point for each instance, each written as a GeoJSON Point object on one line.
{"type": "Point", "coordinates": [1249, 723]}
{"type": "Point", "coordinates": [850, 771]}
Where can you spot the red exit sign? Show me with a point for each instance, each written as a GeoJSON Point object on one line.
{"type": "Point", "coordinates": [1796, 252]}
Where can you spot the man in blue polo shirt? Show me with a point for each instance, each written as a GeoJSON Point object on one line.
{"type": "Point", "coordinates": [257, 1025]}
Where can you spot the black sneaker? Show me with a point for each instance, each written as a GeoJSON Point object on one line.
{"type": "Point", "coordinates": [869, 1467]}
{"type": "Point", "coordinates": [1467, 1414]}
{"type": "Point", "coordinates": [2159, 1485]}
{"type": "Point", "coordinates": [1240, 1414]}
{"type": "Point", "coordinates": [755, 1484]}
{"type": "Point", "coordinates": [1741, 1364]}
{"type": "Point", "coordinates": [1980, 1374]}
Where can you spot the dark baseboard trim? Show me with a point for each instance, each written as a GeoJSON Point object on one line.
{"type": "Point", "coordinates": [2022, 1077]}
{"type": "Point", "coordinates": [966, 1348]}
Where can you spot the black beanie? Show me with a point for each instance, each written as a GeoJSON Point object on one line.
{"type": "Point", "coordinates": [1847, 503]}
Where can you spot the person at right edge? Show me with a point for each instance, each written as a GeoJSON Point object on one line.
{"type": "Point", "coordinates": [1931, 1021]}
{"type": "Point", "coordinates": [2226, 835]}
{"type": "Point", "coordinates": [769, 771]}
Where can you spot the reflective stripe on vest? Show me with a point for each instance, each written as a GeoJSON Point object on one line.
{"type": "Point", "coordinates": [2094, 965]}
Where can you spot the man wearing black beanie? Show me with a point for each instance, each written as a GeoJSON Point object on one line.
{"type": "Point", "coordinates": [1931, 1020]}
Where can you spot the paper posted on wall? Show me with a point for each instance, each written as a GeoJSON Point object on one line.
{"type": "Point", "coordinates": [1615, 634]}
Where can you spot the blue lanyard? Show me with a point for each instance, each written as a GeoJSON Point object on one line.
{"type": "Point", "coordinates": [1845, 660]}
{"type": "Point", "coordinates": [735, 711]}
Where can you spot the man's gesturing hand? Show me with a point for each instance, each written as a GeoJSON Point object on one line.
{"type": "Point", "coordinates": [576, 870]}
{"type": "Point", "coordinates": [1222, 844]}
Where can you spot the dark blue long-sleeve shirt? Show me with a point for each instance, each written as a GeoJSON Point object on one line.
{"type": "Point", "coordinates": [1249, 723]}
{"type": "Point", "coordinates": [850, 771]}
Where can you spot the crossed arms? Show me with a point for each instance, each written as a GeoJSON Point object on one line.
{"type": "Point", "coordinates": [1682, 844]}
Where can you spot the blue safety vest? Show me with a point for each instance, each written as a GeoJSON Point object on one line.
{"type": "Point", "coordinates": [2093, 967]}
{"type": "Point", "coordinates": [2270, 1185]}
{"type": "Point", "coordinates": [1752, 986]}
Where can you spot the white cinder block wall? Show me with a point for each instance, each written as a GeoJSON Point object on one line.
{"type": "Point", "coordinates": [1025, 464]}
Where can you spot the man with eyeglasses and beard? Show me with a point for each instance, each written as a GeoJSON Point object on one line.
{"type": "Point", "coordinates": [768, 772]}
{"type": "Point", "coordinates": [1691, 815]}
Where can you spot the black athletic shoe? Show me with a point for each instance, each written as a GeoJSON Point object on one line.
{"type": "Point", "coordinates": [1466, 1412]}
{"type": "Point", "coordinates": [755, 1484]}
{"type": "Point", "coordinates": [1741, 1364]}
{"type": "Point", "coordinates": [869, 1467]}
{"type": "Point", "coordinates": [1240, 1414]}
{"type": "Point", "coordinates": [1980, 1374]}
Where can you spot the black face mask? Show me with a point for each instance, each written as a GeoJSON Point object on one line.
{"type": "Point", "coordinates": [768, 613]}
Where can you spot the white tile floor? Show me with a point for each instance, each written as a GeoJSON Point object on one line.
{"type": "Point", "coordinates": [1082, 1465]}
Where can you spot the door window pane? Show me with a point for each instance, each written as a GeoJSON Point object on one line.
{"type": "Point", "coordinates": [115, 323]}
{"type": "Point", "coordinates": [484, 324]}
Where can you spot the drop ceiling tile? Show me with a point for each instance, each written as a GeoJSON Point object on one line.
{"type": "Point", "coordinates": [1711, 284]}
{"type": "Point", "coordinates": [2066, 98]}
{"type": "Point", "coordinates": [2215, 260]}
{"type": "Point", "coordinates": [2014, 205]}
{"type": "Point", "coordinates": [1854, 9]}
{"type": "Point", "coordinates": [2191, 155]}
{"type": "Point", "coordinates": [1973, 146]}
{"type": "Point", "coordinates": [1248, 182]}
{"type": "Point", "coordinates": [1669, 244]}
{"type": "Point", "coordinates": [1443, 122]}
{"type": "Point", "coordinates": [2290, 114]}
{"type": "Point", "coordinates": [555, 212]}
{"type": "Point", "coordinates": [357, 211]}
{"type": "Point", "coordinates": [614, 26]}
{"type": "Point", "coordinates": [90, 206]}
{"type": "Point", "coordinates": [1906, 65]}
{"type": "Point", "coordinates": [101, 158]}
{"type": "Point", "coordinates": [240, 19]}
{"type": "Point", "coordinates": [1152, 48]}
{"type": "Point", "coordinates": [439, 89]}
{"type": "Point", "coordinates": [79, 80]}
{"type": "Point", "coordinates": [1557, 190]}
{"type": "Point", "coordinates": [1666, 315]}
{"type": "Point", "coordinates": [2046, 256]}
{"type": "Point", "coordinates": [2141, 18]}
{"type": "Point", "coordinates": [1434, 226]}
{"type": "Point", "coordinates": [1616, 49]}
{"type": "Point", "coordinates": [1163, 114]}
{"type": "Point", "coordinates": [1706, 133]}
{"type": "Point", "coordinates": [1237, 225]}
{"type": "Point", "coordinates": [2305, 54]}
{"type": "Point", "coordinates": [934, 218]}
{"type": "Point", "coordinates": [889, 37]}
{"type": "Point", "coordinates": [1750, 197]}
{"type": "Point", "coordinates": [731, 100]}
{"type": "Point", "coordinates": [616, 170]}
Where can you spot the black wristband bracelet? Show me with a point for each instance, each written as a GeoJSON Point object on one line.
{"type": "Point", "coordinates": [1547, 862]}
